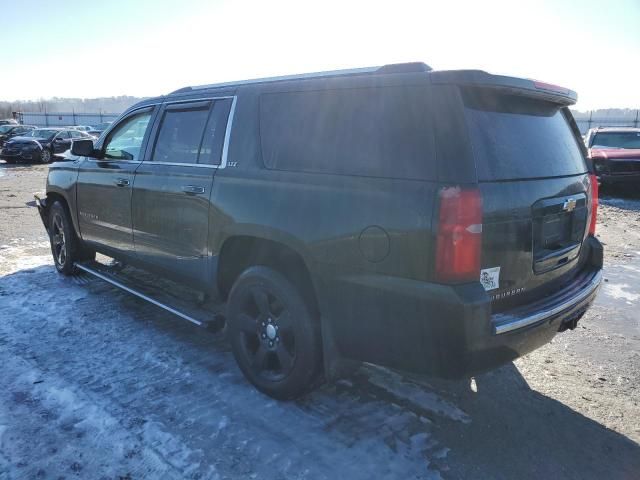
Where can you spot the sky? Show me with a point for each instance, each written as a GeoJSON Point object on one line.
{"type": "Point", "coordinates": [85, 49]}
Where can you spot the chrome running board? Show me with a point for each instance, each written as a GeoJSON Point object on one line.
{"type": "Point", "coordinates": [200, 317]}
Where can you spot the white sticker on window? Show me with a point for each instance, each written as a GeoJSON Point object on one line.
{"type": "Point", "coordinates": [490, 278]}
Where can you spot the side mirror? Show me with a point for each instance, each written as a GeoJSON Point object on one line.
{"type": "Point", "coordinates": [83, 148]}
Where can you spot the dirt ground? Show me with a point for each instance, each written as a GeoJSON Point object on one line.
{"type": "Point", "coordinates": [97, 384]}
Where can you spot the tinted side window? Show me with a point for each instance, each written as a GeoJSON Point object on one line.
{"type": "Point", "coordinates": [64, 134]}
{"type": "Point", "coordinates": [382, 132]}
{"type": "Point", "coordinates": [126, 139]}
{"type": "Point", "coordinates": [211, 150]}
{"type": "Point", "coordinates": [75, 134]}
{"type": "Point", "coordinates": [180, 135]}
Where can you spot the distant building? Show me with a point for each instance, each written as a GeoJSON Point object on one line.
{"type": "Point", "coordinates": [60, 119]}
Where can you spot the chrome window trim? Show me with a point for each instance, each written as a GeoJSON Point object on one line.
{"type": "Point", "coordinates": [227, 134]}
{"type": "Point", "coordinates": [225, 145]}
{"type": "Point", "coordinates": [177, 164]}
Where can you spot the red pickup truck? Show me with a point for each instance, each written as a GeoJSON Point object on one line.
{"type": "Point", "coordinates": [615, 152]}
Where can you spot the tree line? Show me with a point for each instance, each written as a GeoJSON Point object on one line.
{"type": "Point", "coordinates": [66, 105]}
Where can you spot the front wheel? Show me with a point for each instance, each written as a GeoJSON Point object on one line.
{"type": "Point", "coordinates": [275, 338]}
{"type": "Point", "coordinates": [65, 246]}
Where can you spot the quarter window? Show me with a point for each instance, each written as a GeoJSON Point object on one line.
{"type": "Point", "coordinates": [380, 132]}
{"type": "Point", "coordinates": [125, 141]}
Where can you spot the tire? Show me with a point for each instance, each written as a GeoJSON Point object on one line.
{"type": "Point", "coordinates": [46, 156]}
{"type": "Point", "coordinates": [275, 339]}
{"type": "Point", "coordinates": [65, 245]}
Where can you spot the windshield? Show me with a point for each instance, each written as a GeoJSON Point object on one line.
{"type": "Point", "coordinates": [518, 137]}
{"type": "Point", "coordinates": [6, 128]}
{"type": "Point", "coordinates": [41, 133]}
{"type": "Point", "coordinates": [626, 140]}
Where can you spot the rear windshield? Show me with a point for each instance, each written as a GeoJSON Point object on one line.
{"type": "Point", "coordinates": [516, 137]}
{"type": "Point", "coordinates": [629, 140]}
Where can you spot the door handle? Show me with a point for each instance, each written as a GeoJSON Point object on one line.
{"type": "Point", "coordinates": [122, 182]}
{"type": "Point", "coordinates": [193, 190]}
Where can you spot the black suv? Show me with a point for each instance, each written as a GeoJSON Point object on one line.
{"type": "Point", "coordinates": [434, 221]}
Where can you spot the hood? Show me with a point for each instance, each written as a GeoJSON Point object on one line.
{"type": "Point", "coordinates": [615, 153]}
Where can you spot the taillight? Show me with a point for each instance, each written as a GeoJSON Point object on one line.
{"type": "Point", "coordinates": [459, 235]}
{"type": "Point", "coordinates": [594, 204]}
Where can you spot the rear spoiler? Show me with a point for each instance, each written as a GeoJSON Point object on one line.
{"type": "Point", "coordinates": [509, 85]}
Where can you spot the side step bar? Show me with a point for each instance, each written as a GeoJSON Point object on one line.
{"type": "Point", "coordinates": [198, 316]}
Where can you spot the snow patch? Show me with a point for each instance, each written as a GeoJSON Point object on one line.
{"type": "Point", "coordinates": [619, 291]}
{"type": "Point", "coordinates": [415, 394]}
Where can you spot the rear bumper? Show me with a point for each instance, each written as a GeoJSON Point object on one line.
{"type": "Point", "coordinates": [580, 295]}
{"type": "Point", "coordinates": [41, 203]}
{"type": "Point", "coordinates": [520, 331]}
{"type": "Point", "coordinates": [449, 331]}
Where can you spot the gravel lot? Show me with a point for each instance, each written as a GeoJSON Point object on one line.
{"type": "Point", "coordinates": [96, 384]}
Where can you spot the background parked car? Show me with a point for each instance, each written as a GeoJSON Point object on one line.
{"type": "Point", "coordinates": [82, 128]}
{"type": "Point", "coordinates": [97, 130]}
{"type": "Point", "coordinates": [10, 131]}
{"type": "Point", "coordinates": [40, 144]}
{"type": "Point", "coordinates": [8, 121]}
{"type": "Point", "coordinates": [615, 152]}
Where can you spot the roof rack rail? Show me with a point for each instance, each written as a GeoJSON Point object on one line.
{"type": "Point", "coordinates": [412, 67]}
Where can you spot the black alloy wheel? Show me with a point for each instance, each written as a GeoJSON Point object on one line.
{"type": "Point", "coordinates": [275, 340]}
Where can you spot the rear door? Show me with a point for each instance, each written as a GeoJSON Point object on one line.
{"type": "Point", "coordinates": [170, 205]}
{"type": "Point", "coordinates": [62, 142]}
{"type": "Point", "coordinates": [535, 189]}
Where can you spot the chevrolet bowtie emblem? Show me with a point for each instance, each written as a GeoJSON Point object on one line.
{"type": "Point", "coordinates": [569, 205]}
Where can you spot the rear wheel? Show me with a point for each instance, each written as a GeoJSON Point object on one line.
{"type": "Point", "coordinates": [275, 339]}
{"type": "Point", "coordinates": [65, 246]}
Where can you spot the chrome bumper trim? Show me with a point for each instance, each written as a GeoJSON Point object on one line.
{"type": "Point", "coordinates": [517, 323]}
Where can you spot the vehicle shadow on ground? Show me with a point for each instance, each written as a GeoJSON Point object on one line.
{"type": "Point", "coordinates": [514, 432]}
{"type": "Point", "coordinates": [506, 429]}
{"type": "Point", "coordinates": [517, 432]}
